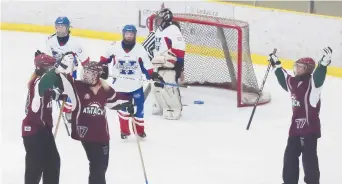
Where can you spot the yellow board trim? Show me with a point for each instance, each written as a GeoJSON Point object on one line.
{"type": "Point", "coordinates": [192, 49]}
{"type": "Point", "coordinates": [274, 9]}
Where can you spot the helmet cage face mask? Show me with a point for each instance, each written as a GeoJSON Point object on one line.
{"type": "Point", "coordinates": [129, 36]}
{"type": "Point", "coordinates": [299, 69]}
{"type": "Point", "coordinates": [90, 77]}
{"type": "Point", "coordinates": [61, 30]}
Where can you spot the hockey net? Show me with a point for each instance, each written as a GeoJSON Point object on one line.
{"type": "Point", "coordinates": [218, 54]}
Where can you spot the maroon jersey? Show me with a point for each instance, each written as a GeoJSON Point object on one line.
{"type": "Point", "coordinates": [38, 110]}
{"type": "Point", "coordinates": [306, 105]}
{"type": "Point", "coordinates": [89, 122]}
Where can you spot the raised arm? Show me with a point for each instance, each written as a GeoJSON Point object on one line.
{"type": "Point", "coordinates": [282, 76]}
{"type": "Point", "coordinates": [321, 70]}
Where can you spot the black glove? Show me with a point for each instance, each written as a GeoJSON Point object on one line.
{"type": "Point", "coordinates": [128, 106]}
{"type": "Point", "coordinates": [159, 80]}
{"type": "Point", "coordinates": [105, 73]}
{"type": "Point", "coordinates": [273, 59]}
{"type": "Point", "coordinates": [37, 53]}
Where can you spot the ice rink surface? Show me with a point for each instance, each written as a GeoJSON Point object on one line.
{"type": "Point", "coordinates": [209, 145]}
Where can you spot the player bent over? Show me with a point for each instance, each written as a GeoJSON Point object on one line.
{"type": "Point", "coordinates": [305, 89]}
{"type": "Point", "coordinates": [42, 156]}
{"type": "Point", "coordinates": [61, 43]}
{"type": "Point", "coordinates": [129, 64]}
{"type": "Point", "coordinates": [89, 97]}
{"type": "Point", "coordinates": [168, 59]}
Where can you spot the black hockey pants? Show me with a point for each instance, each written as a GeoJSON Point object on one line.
{"type": "Point", "coordinates": [306, 145]}
{"type": "Point", "coordinates": [98, 156]}
{"type": "Point", "coordinates": [42, 157]}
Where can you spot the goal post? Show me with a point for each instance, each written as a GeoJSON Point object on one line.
{"type": "Point", "coordinates": [218, 54]}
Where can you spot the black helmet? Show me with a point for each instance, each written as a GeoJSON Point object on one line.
{"type": "Point", "coordinates": [163, 18]}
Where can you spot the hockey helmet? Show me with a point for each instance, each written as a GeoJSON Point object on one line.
{"type": "Point", "coordinates": [62, 26]}
{"type": "Point", "coordinates": [91, 73]}
{"type": "Point", "coordinates": [163, 18]}
{"type": "Point", "coordinates": [129, 33]}
{"type": "Point", "coordinates": [305, 65]}
{"type": "Point", "coordinates": [43, 63]}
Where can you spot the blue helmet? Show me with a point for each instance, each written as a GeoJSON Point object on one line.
{"type": "Point", "coordinates": [63, 20]}
{"type": "Point", "coordinates": [129, 28]}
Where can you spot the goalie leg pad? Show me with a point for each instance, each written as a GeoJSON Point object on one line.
{"type": "Point", "coordinates": [169, 97]}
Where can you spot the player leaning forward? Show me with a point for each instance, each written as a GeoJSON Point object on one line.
{"type": "Point", "coordinates": [42, 157]}
{"type": "Point", "coordinates": [305, 89]}
{"type": "Point", "coordinates": [168, 59]}
{"type": "Point", "coordinates": [89, 97]}
{"type": "Point", "coordinates": [128, 63]}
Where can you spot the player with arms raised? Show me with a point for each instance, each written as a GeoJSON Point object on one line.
{"type": "Point", "coordinates": [128, 63]}
{"type": "Point", "coordinates": [168, 59]}
{"type": "Point", "coordinates": [61, 43]}
{"type": "Point", "coordinates": [305, 89]}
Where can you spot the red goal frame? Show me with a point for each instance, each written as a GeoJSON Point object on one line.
{"type": "Point", "coordinates": [239, 88]}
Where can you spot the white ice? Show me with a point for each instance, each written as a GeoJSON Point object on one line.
{"type": "Point", "coordinates": [208, 145]}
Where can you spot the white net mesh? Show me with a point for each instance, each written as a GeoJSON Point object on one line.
{"type": "Point", "coordinates": [212, 55]}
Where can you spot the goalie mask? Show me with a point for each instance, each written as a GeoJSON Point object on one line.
{"type": "Point", "coordinates": [304, 66]}
{"type": "Point", "coordinates": [62, 26]}
{"type": "Point", "coordinates": [43, 63]}
{"type": "Point", "coordinates": [163, 18]}
{"type": "Point", "coordinates": [91, 73]}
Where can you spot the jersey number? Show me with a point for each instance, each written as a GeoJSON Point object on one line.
{"type": "Point", "coordinates": [158, 43]}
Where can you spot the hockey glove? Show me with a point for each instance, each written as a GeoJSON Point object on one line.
{"type": "Point", "coordinates": [273, 59]}
{"type": "Point", "coordinates": [127, 106]}
{"type": "Point", "coordinates": [105, 72]}
{"type": "Point", "coordinates": [56, 93]}
{"type": "Point", "coordinates": [159, 80]}
{"type": "Point", "coordinates": [326, 59]}
{"type": "Point", "coordinates": [37, 53]}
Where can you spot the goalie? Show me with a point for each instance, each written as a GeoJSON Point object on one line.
{"type": "Point", "coordinates": [167, 48]}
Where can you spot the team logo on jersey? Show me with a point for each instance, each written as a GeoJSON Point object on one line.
{"type": "Point", "coordinates": [87, 96]}
{"type": "Point", "coordinates": [127, 67]}
{"type": "Point", "coordinates": [94, 109]}
{"type": "Point", "coordinates": [158, 43]}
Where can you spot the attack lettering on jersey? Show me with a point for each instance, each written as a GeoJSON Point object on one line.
{"type": "Point", "coordinates": [27, 103]}
{"type": "Point", "coordinates": [295, 102]}
{"type": "Point", "coordinates": [93, 109]}
{"type": "Point", "coordinates": [127, 67]}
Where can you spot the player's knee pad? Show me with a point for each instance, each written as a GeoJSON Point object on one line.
{"type": "Point", "coordinates": [172, 114]}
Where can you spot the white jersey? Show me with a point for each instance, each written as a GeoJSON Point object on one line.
{"type": "Point", "coordinates": [130, 68]}
{"type": "Point", "coordinates": [172, 39]}
{"type": "Point", "coordinates": [55, 49]}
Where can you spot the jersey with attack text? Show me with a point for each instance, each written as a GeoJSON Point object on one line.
{"type": "Point", "coordinates": [172, 39]}
{"type": "Point", "coordinates": [55, 49]}
{"type": "Point", "coordinates": [89, 121]}
{"type": "Point", "coordinates": [38, 110]}
{"type": "Point", "coordinates": [130, 68]}
{"type": "Point", "coordinates": [306, 104]}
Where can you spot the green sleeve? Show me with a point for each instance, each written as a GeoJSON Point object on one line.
{"type": "Point", "coordinates": [319, 75]}
{"type": "Point", "coordinates": [281, 78]}
{"type": "Point", "coordinates": [49, 80]}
